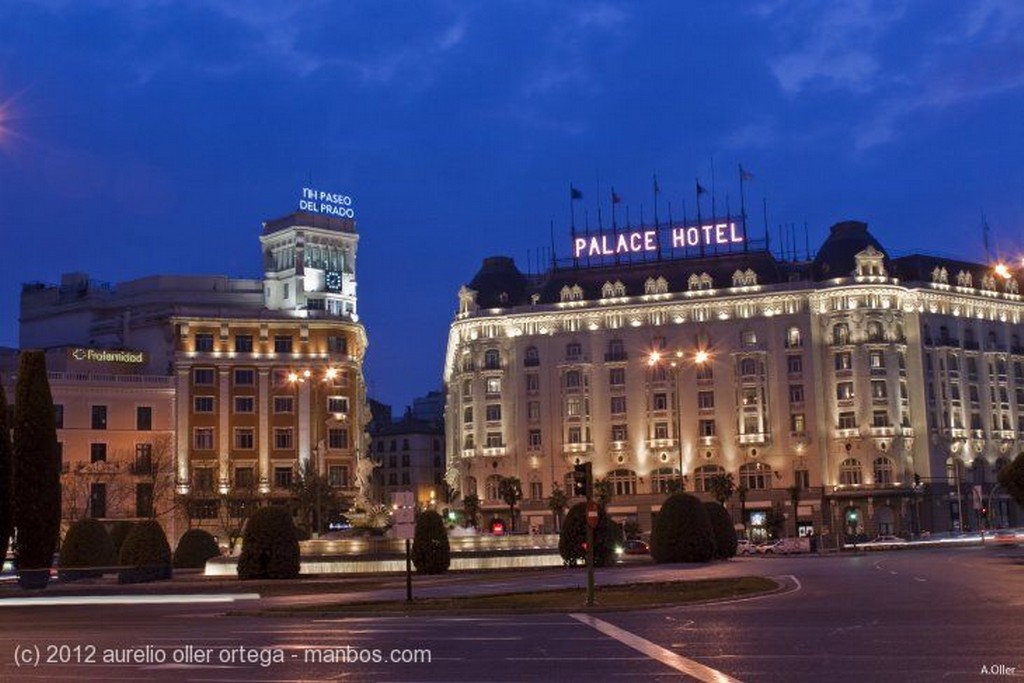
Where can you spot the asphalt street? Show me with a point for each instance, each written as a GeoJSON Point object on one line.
{"type": "Point", "coordinates": [922, 615]}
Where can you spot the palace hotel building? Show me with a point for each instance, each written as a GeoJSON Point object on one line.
{"type": "Point", "coordinates": [244, 378]}
{"type": "Point", "coordinates": [848, 394]}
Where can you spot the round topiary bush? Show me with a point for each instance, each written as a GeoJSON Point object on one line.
{"type": "Point", "coordinates": [195, 547]}
{"type": "Point", "coordinates": [431, 552]}
{"type": "Point", "coordinates": [682, 531]}
{"type": "Point", "coordinates": [145, 554]}
{"type": "Point", "coordinates": [86, 550]}
{"type": "Point", "coordinates": [119, 531]}
{"type": "Point", "coordinates": [572, 539]}
{"type": "Point", "coordinates": [723, 530]}
{"type": "Point", "coordinates": [270, 547]}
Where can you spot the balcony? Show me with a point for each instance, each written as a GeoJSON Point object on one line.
{"type": "Point", "coordinates": [494, 451]}
{"type": "Point", "coordinates": [955, 433]}
{"type": "Point", "coordinates": [660, 444]}
{"type": "Point", "coordinates": [707, 440]}
{"type": "Point", "coordinates": [577, 446]}
{"type": "Point", "coordinates": [753, 438]}
{"type": "Point", "coordinates": [468, 452]}
{"type": "Point", "coordinates": [971, 345]}
{"type": "Point", "coordinates": [1006, 434]}
{"type": "Point", "coordinates": [620, 445]}
{"type": "Point", "coordinates": [883, 430]}
{"type": "Point", "coordinates": [848, 433]}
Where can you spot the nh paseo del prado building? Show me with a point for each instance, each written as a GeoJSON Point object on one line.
{"type": "Point", "coordinates": [847, 394]}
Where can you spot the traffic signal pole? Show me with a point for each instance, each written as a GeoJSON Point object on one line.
{"type": "Point", "coordinates": [590, 538]}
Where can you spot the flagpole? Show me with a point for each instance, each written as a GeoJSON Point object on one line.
{"type": "Point", "coordinates": [743, 210]}
{"type": "Point", "coordinates": [767, 237]}
{"type": "Point", "coordinates": [699, 190]}
{"type": "Point", "coordinates": [671, 248]}
{"type": "Point", "coordinates": [714, 211]}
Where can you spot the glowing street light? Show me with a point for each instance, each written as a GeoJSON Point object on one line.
{"type": "Point", "coordinates": [1002, 271]}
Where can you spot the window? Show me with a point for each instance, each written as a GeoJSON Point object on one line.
{"type": "Point", "coordinates": [493, 385]}
{"type": "Point", "coordinates": [282, 343]}
{"type": "Point", "coordinates": [876, 360]}
{"type": "Point", "coordinates": [144, 499]}
{"type": "Point", "coordinates": [617, 377]}
{"type": "Point", "coordinates": [572, 407]}
{"type": "Point", "coordinates": [847, 420]}
{"type": "Point", "coordinates": [749, 397]}
{"type": "Point", "coordinates": [796, 393]}
{"type": "Point", "coordinates": [575, 435]}
{"type": "Point", "coordinates": [843, 361]}
{"type": "Point", "coordinates": [705, 400]}
{"type": "Point", "coordinates": [793, 340]}
{"type": "Point", "coordinates": [97, 500]}
{"type": "Point", "coordinates": [97, 452]}
{"type": "Point", "coordinates": [706, 427]}
{"type": "Point", "coordinates": [704, 371]}
{"type": "Point", "coordinates": [802, 479]}
{"type": "Point", "coordinates": [880, 418]}
{"type": "Point", "coordinates": [531, 357]}
{"type": "Point", "coordinates": [841, 334]}
{"type": "Point", "coordinates": [337, 437]}
{"type": "Point", "coordinates": [203, 404]}
{"type": "Point", "coordinates": [337, 476]}
{"type": "Point", "coordinates": [283, 438]}
{"type": "Point", "coordinates": [58, 411]}
{"type": "Point", "coordinates": [245, 478]}
{"type": "Point", "coordinates": [393, 479]}
{"type": "Point", "coordinates": [245, 377]}
{"type": "Point", "coordinates": [794, 365]}
{"type": "Point", "coordinates": [844, 391]}
{"type": "Point", "coordinates": [284, 404]}
{"type": "Point", "coordinates": [661, 430]}
{"type": "Point", "coordinates": [493, 487]}
{"type": "Point", "coordinates": [849, 472]}
{"type": "Point", "coordinates": [243, 343]}
{"type": "Point", "coordinates": [875, 334]}
{"type": "Point", "coordinates": [879, 390]}
{"type": "Point", "coordinates": [204, 342]}
{"type": "Point", "coordinates": [622, 482]}
{"type": "Point", "coordinates": [533, 382]}
{"type": "Point", "coordinates": [619, 432]}
{"type": "Point", "coordinates": [533, 440]}
{"type": "Point", "coordinates": [751, 424]}
{"type": "Point", "coordinates": [492, 359]}
{"type": "Point", "coordinates": [244, 438]}
{"type": "Point", "coordinates": [756, 475]}
{"type": "Point", "coordinates": [202, 376]}
{"type": "Point", "coordinates": [493, 412]}
{"type": "Point", "coordinates": [143, 459]}
{"type": "Point", "coordinates": [573, 351]}
{"type": "Point", "coordinates": [143, 418]}
{"type": "Point", "coordinates": [203, 438]}
{"type": "Point", "coordinates": [202, 479]}
{"type": "Point", "coordinates": [536, 490]}
{"type": "Point", "coordinates": [748, 338]}
{"type": "Point", "coordinates": [337, 404]}
{"type": "Point", "coordinates": [337, 344]}
{"type": "Point", "coordinates": [533, 411]}
{"type": "Point", "coordinates": [748, 367]}
{"type": "Point", "coordinates": [662, 478]}
{"type": "Point", "coordinates": [493, 440]}
{"type": "Point", "coordinates": [883, 471]}
{"type": "Point", "coordinates": [467, 415]}
{"type": "Point", "coordinates": [618, 405]}
{"type": "Point", "coordinates": [283, 477]}
{"type": "Point", "coordinates": [703, 475]}
{"type": "Point", "coordinates": [245, 404]}
{"type": "Point", "coordinates": [797, 423]}
{"type": "Point", "coordinates": [572, 379]}
{"type": "Point", "coordinates": [99, 417]}
{"type": "Point", "coordinates": [405, 459]}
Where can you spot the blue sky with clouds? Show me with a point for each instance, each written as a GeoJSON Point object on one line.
{"type": "Point", "coordinates": [154, 136]}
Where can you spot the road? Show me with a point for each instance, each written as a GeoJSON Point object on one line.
{"type": "Point", "coordinates": [904, 616]}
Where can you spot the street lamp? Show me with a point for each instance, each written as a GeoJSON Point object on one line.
{"type": "Point", "coordinates": [673, 363]}
{"type": "Point", "coordinates": [316, 414]}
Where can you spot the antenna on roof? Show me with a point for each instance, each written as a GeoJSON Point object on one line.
{"type": "Point", "coordinates": [985, 230]}
{"type": "Point", "coordinates": [551, 231]}
{"type": "Point", "coordinates": [767, 236]}
{"type": "Point", "coordinates": [807, 244]}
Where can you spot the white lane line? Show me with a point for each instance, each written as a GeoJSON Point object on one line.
{"type": "Point", "coordinates": [73, 600]}
{"type": "Point", "coordinates": [918, 578]}
{"type": "Point", "coordinates": [656, 652]}
{"type": "Point", "coordinates": [892, 572]}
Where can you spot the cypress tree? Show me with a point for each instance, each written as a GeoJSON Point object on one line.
{"type": "Point", "coordinates": [36, 472]}
{"type": "Point", "coordinates": [6, 490]}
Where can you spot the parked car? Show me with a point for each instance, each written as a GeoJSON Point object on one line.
{"type": "Point", "coordinates": [886, 538]}
{"type": "Point", "coordinates": [635, 546]}
{"type": "Point", "coordinates": [745, 547]}
{"type": "Point", "coordinates": [787, 546]}
{"type": "Point", "coordinates": [1004, 537]}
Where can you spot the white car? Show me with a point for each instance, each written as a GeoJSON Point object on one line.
{"type": "Point", "coordinates": [786, 546]}
{"type": "Point", "coordinates": [745, 547]}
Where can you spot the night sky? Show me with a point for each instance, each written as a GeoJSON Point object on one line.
{"type": "Point", "coordinates": [154, 136]}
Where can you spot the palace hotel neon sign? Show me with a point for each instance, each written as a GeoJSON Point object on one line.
{"type": "Point", "coordinates": [644, 241]}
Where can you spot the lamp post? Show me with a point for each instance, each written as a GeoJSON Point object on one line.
{"type": "Point", "coordinates": [316, 414]}
{"type": "Point", "coordinates": [673, 364]}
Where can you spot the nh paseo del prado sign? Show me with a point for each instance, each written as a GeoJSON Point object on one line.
{"type": "Point", "coordinates": [710, 235]}
{"type": "Point", "coordinates": [326, 203]}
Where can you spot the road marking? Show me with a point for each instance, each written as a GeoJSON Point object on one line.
{"type": "Point", "coordinates": [76, 600]}
{"type": "Point", "coordinates": [918, 578]}
{"type": "Point", "coordinates": [656, 652]}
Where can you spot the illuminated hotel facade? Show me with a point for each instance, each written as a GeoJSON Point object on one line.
{"type": "Point", "coordinates": [260, 375]}
{"type": "Point", "coordinates": [849, 394]}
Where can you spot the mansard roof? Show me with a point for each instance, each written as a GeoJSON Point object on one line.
{"type": "Point", "coordinates": [305, 219]}
{"type": "Point", "coordinates": [835, 258]}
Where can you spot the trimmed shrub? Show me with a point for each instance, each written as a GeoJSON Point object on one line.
{"type": "Point", "coordinates": [723, 530]}
{"type": "Point", "coordinates": [35, 472]}
{"type": "Point", "coordinates": [145, 554]}
{"type": "Point", "coordinates": [573, 537]}
{"type": "Point", "coordinates": [431, 552]}
{"type": "Point", "coordinates": [119, 531]}
{"type": "Point", "coordinates": [682, 531]}
{"type": "Point", "coordinates": [85, 551]}
{"type": "Point", "coordinates": [270, 547]}
{"type": "Point", "coordinates": [195, 547]}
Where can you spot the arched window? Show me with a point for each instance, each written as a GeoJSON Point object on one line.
{"type": "Point", "coordinates": [492, 359]}
{"type": "Point", "coordinates": [756, 475]}
{"type": "Point", "coordinates": [849, 472]}
{"type": "Point", "coordinates": [883, 471]}
{"type": "Point", "coordinates": [531, 356]}
{"type": "Point", "coordinates": [468, 487]}
{"type": "Point", "coordinates": [622, 482]}
{"type": "Point", "coordinates": [841, 334]}
{"type": "Point", "coordinates": [493, 486]}
{"type": "Point", "coordinates": [703, 475]}
{"type": "Point", "coordinates": [661, 479]}
{"type": "Point", "coordinates": [875, 331]}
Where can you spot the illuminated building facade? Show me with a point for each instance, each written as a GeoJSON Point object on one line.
{"type": "Point", "coordinates": [848, 394]}
{"type": "Point", "coordinates": [266, 374]}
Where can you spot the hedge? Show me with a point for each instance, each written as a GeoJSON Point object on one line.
{"type": "Point", "coordinates": [145, 554]}
{"type": "Point", "coordinates": [270, 546]}
{"type": "Point", "coordinates": [431, 552]}
{"type": "Point", "coordinates": [195, 547]}
{"type": "Point", "coordinates": [86, 550]}
{"type": "Point", "coordinates": [723, 529]}
{"type": "Point", "coordinates": [682, 531]}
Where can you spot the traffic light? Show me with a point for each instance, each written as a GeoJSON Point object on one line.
{"type": "Point", "coordinates": [983, 511]}
{"type": "Point", "coordinates": [581, 480]}
{"type": "Point", "coordinates": [917, 479]}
